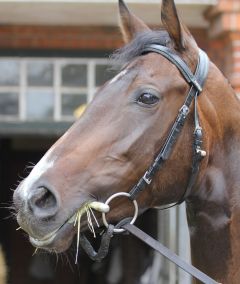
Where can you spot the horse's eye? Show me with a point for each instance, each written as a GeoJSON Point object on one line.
{"type": "Point", "coordinates": [148, 99]}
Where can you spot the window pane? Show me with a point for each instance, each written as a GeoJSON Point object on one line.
{"type": "Point", "coordinates": [74, 75]}
{"type": "Point", "coordinates": [71, 102]}
{"type": "Point", "coordinates": [39, 104]}
{"type": "Point", "coordinates": [103, 74]}
{"type": "Point", "coordinates": [9, 73]}
{"type": "Point", "coordinates": [40, 73]}
{"type": "Point", "coordinates": [9, 104]}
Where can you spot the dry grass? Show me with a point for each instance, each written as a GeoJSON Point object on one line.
{"type": "Point", "coordinates": [88, 210]}
{"type": "Point", "coordinates": [3, 269]}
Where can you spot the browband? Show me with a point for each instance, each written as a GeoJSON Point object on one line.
{"type": "Point", "coordinates": [198, 78]}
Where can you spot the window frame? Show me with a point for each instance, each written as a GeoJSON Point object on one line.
{"type": "Point", "coordinates": [58, 90]}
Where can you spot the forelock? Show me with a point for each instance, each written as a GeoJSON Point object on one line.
{"type": "Point", "coordinates": [138, 45]}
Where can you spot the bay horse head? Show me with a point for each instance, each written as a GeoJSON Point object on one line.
{"type": "Point", "coordinates": [120, 134]}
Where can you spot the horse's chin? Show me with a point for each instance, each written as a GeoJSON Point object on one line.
{"type": "Point", "coordinates": [58, 241]}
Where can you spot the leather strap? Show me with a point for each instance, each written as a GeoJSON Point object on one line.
{"type": "Point", "coordinates": [196, 82]}
{"type": "Point", "coordinates": [104, 245]}
{"type": "Point", "coordinates": [190, 269]}
{"type": "Point", "coordinates": [177, 61]}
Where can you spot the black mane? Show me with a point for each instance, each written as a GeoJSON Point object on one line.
{"type": "Point", "coordinates": [137, 46]}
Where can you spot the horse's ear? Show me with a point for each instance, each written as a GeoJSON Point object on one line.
{"type": "Point", "coordinates": [130, 24]}
{"type": "Point", "coordinates": [177, 31]}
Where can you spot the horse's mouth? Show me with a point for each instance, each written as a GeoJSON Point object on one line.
{"type": "Point", "coordinates": [60, 238]}
{"type": "Point", "coordinates": [48, 239]}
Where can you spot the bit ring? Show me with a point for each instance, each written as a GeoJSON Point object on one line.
{"type": "Point", "coordinates": [109, 200]}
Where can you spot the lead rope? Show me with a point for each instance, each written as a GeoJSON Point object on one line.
{"type": "Point", "coordinates": [190, 269]}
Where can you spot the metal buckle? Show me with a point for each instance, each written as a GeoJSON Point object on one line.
{"type": "Point", "coordinates": [134, 216]}
{"type": "Point", "coordinates": [146, 179]}
{"type": "Point", "coordinates": [184, 110]}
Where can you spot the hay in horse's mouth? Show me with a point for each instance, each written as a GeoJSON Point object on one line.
{"type": "Point", "coordinates": [73, 220]}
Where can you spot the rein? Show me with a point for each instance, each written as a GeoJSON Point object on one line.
{"type": "Point", "coordinates": [196, 82]}
{"type": "Point", "coordinates": [190, 269]}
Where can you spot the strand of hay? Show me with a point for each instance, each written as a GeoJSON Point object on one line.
{"type": "Point", "coordinates": [85, 209]}
{"type": "Point", "coordinates": [3, 269]}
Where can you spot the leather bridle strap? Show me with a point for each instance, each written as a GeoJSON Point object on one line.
{"type": "Point", "coordinates": [196, 83]}
{"type": "Point", "coordinates": [168, 254]}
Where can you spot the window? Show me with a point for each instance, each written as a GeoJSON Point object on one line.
{"type": "Point", "coordinates": [36, 89]}
{"type": "Point", "coordinates": [103, 74]}
{"type": "Point", "coordinates": [9, 88]}
{"type": "Point", "coordinates": [39, 93]}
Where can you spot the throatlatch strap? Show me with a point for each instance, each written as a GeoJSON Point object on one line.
{"type": "Point", "coordinates": [196, 82]}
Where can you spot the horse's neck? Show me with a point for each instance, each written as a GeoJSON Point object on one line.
{"type": "Point", "coordinates": [213, 228]}
{"type": "Point", "coordinates": [214, 212]}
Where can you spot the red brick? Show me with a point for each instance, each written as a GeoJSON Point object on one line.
{"type": "Point", "coordinates": [45, 37]}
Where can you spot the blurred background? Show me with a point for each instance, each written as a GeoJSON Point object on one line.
{"type": "Point", "coordinates": [53, 56]}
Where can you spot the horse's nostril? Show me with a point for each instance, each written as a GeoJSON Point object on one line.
{"type": "Point", "coordinates": [42, 202]}
{"type": "Point", "coordinates": [44, 198]}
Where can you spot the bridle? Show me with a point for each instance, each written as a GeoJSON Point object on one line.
{"type": "Point", "coordinates": [196, 82]}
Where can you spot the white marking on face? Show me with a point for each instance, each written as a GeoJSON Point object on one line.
{"type": "Point", "coordinates": [118, 76]}
{"type": "Point", "coordinates": [42, 166]}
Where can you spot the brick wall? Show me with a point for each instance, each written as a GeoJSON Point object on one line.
{"type": "Point", "coordinates": [68, 38]}
{"type": "Point", "coordinates": [235, 78]}
{"type": "Point", "coordinates": [224, 38]}
{"type": "Point", "coordinates": [221, 40]}
{"type": "Point", "coordinates": [59, 37]}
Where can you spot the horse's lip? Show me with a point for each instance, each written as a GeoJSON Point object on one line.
{"type": "Point", "coordinates": [60, 241]}
{"type": "Point", "coordinates": [49, 238]}
{"type": "Point", "coordinates": [42, 243]}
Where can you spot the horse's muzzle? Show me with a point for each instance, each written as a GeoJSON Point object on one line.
{"type": "Point", "coordinates": [37, 209]}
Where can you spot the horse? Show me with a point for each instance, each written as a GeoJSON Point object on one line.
{"type": "Point", "coordinates": [120, 134]}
